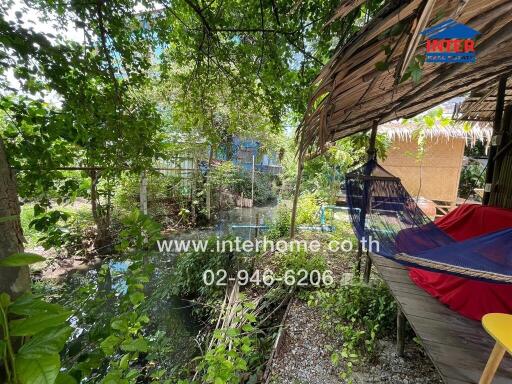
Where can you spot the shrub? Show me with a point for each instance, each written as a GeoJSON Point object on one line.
{"type": "Point", "coordinates": [307, 209]}
{"type": "Point", "coordinates": [280, 225]}
{"type": "Point", "coordinates": [361, 314]}
{"type": "Point", "coordinates": [471, 177]}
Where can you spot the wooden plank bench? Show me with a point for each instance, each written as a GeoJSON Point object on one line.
{"type": "Point", "coordinates": [458, 347]}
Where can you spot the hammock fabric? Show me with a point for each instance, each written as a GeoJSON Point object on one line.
{"type": "Point", "coordinates": [469, 297]}
{"type": "Point", "coordinates": [390, 223]}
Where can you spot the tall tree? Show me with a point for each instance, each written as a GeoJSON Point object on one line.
{"type": "Point", "coordinates": [13, 280]}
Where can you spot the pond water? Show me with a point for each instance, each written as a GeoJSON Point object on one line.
{"type": "Point", "coordinates": [172, 317]}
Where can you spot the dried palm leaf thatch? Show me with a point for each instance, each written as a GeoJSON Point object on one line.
{"type": "Point", "coordinates": [480, 105]}
{"type": "Point", "coordinates": [378, 75]}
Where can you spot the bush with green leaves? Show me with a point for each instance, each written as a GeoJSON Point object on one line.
{"type": "Point", "coordinates": [358, 313]}
{"type": "Point", "coordinates": [298, 259]}
{"type": "Point", "coordinates": [471, 177]}
{"type": "Point", "coordinates": [187, 277]}
{"type": "Point", "coordinates": [33, 331]}
{"type": "Point", "coordinates": [264, 191]}
{"type": "Point", "coordinates": [234, 354]}
{"type": "Point", "coordinates": [279, 226]}
{"type": "Point", "coordinates": [308, 208]}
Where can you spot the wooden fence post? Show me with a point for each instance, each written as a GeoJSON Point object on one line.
{"type": "Point", "coordinates": [143, 193]}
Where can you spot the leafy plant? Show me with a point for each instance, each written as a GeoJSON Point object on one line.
{"type": "Point", "coordinates": [34, 332]}
{"type": "Point", "coordinates": [234, 350]}
{"type": "Point", "coordinates": [280, 225]}
{"type": "Point", "coordinates": [360, 314]}
{"type": "Point", "coordinates": [471, 177]}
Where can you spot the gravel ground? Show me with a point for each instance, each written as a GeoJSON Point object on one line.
{"type": "Point", "coordinates": [303, 358]}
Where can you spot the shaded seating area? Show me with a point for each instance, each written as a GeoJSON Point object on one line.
{"type": "Point", "coordinates": [364, 86]}
{"type": "Point", "coordinates": [459, 347]}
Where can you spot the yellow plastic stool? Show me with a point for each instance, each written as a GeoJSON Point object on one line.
{"type": "Point", "coordinates": [499, 326]}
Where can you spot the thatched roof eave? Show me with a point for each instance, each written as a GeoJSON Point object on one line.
{"type": "Point", "coordinates": [358, 94]}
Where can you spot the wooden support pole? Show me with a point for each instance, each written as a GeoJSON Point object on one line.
{"type": "Point", "coordinates": [401, 323]}
{"type": "Point", "coordinates": [492, 364]}
{"type": "Point", "coordinates": [359, 259]}
{"type": "Point", "coordinates": [367, 268]}
{"type": "Point", "coordinates": [372, 155]}
{"type": "Point", "coordinates": [296, 197]}
{"type": "Point", "coordinates": [500, 103]}
{"type": "Point", "coordinates": [502, 173]}
{"type": "Point", "coordinates": [257, 229]}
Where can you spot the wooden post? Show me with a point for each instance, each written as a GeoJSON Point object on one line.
{"type": "Point", "coordinates": [359, 259]}
{"type": "Point", "coordinates": [372, 154]}
{"type": "Point", "coordinates": [401, 322]}
{"type": "Point", "coordinates": [208, 201]}
{"type": "Point", "coordinates": [500, 184]}
{"type": "Point", "coordinates": [500, 102]}
{"type": "Point", "coordinates": [193, 191]}
{"type": "Point", "coordinates": [143, 193]}
{"type": "Point", "coordinates": [252, 182]}
{"type": "Point", "coordinates": [296, 197]}
{"type": "Point", "coordinates": [257, 229]}
{"type": "Point", "coordinates": [367, 268]}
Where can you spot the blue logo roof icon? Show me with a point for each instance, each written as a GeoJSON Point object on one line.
{"type": "Point", "coordinates": [450, 29]}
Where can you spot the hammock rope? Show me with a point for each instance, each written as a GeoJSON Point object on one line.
{"type": "Point", "coordinates": [389, 222]}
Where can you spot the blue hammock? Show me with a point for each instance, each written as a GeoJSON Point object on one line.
{"type": "Point", "coordinates": [390, 223]}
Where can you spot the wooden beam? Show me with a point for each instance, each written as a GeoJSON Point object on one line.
{"type": "Point", "coordinates": [296, 197]}
{"type": "Point", "coordinates": [372, 155]}
{"type": "Point", "coordinates": [500, 103]}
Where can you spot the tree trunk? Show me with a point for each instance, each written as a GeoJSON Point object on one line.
{"type": "Point", "coordinates": [13, 281]}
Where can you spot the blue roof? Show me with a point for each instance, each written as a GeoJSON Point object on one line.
{"type": "Point", "coordinates": [450, 29]}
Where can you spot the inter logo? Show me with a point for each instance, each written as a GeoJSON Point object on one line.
{"type": "Point", "coordinates": [450, 42]}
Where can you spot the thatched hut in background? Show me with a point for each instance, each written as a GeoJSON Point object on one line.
{"type": "Point", "coordinates": [429, 160]}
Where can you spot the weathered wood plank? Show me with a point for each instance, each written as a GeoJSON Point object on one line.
{"type": "Point", "coordinates": [458, 347]}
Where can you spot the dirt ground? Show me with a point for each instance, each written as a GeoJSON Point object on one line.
{"type": "Point", "coordinates": [304, 359]}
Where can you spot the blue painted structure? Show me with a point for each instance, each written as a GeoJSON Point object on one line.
{"type": "Point", "coordinates": [242, 152]}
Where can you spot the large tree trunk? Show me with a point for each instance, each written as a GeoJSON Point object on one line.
{"type": "Point", "coordinates": [13, 281]}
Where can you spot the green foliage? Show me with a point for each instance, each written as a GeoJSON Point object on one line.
{"type": "Point", "coordinates": [187, 276]}
{"type": "Point", "coordinates": [299, 259]}
{"type": "Point", "coordinates": [308, 209]}
{"type": "Point", "coordinates": [358, 313]}
{"type": "Point", "coordinates": [20, 260]}
{"type": "Point", "coordinates": [264, 191]}
{"type": "Point", "coordinates": [44, 330]}
{"type": "Point", "coordinates": [234, 352]}
{"type": "Point", "coordinates": [280, 225]}
{"type": "Point", "coordinates": [472, 176]}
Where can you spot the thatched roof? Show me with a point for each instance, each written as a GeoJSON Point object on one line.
{"type": "Point", "coordinates": [406, 130]}
{"type": "Point", "coordinates": [361, 83]}
{"type": "Point", "coordinates": [480, 105]}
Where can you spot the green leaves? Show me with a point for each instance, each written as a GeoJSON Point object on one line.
{"type": "Point", "coordinates": [43, 370]}
{"type": "Point", "coordinates": [37, 361]}
{"type": "Point", "coordinates": [20, 260]}
{"type": "Point", "coordinates": [46, 342]}
{"type": "Point", "coordinates": [32, 325]}
{"type": "Point", "coordinates": [135, 345]}
{"type": "Point", "coordinates": [109, 345]}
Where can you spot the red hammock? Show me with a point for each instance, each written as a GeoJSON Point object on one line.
{"type": "Point", "coordinates": [471, 298]}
